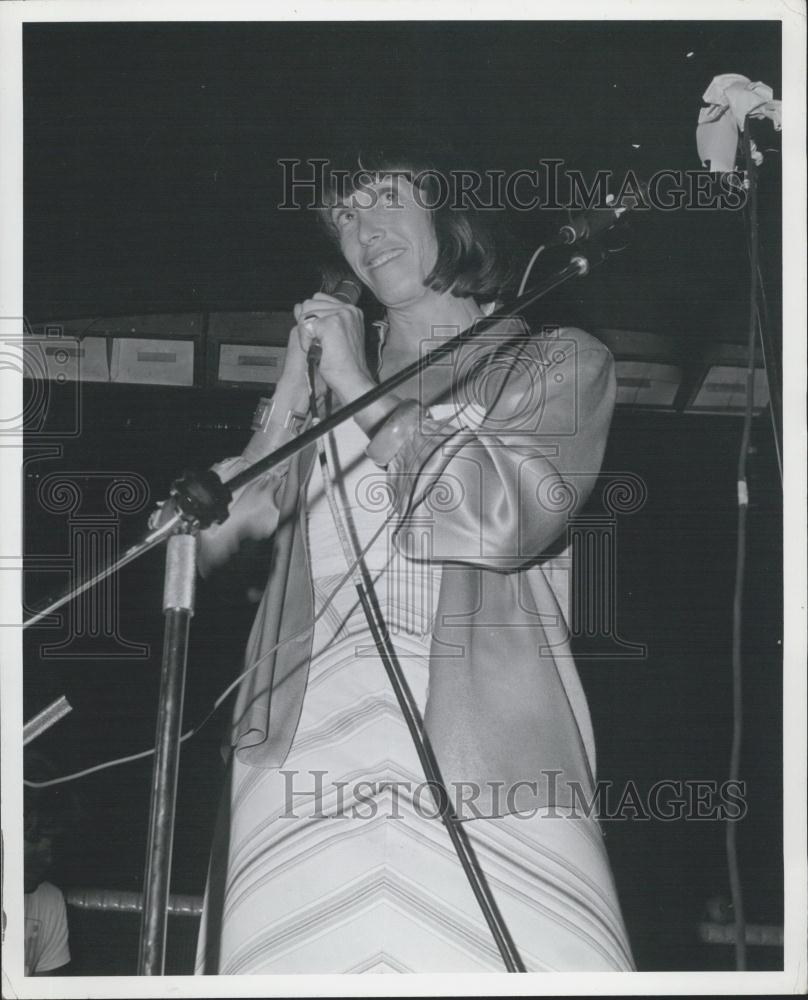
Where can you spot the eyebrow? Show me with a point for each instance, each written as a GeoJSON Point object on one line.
{"type": "Point", "coordinates": [335, 210]}
{"type": "Point", "coordinates": [387, 182]}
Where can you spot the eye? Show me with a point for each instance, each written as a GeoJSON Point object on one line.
{"type": "Point", "coordinates": [389, 198]}
{"type": "Point", "coordinates": [344, 217]}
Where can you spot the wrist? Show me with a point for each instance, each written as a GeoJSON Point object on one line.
{"type": "Point", "coordinates": [374, 414]}
{"type": "Point", "coordinates": [292, 390]}
{"type": "Point", "coordinates": [401, 422]}
{"type": "Point", "coordinates": [274, 424]}
{"type": "Point", "coordinates": [352, 386]}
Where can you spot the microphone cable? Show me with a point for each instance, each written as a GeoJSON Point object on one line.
{"type": "Point", "coordinates": [194, 730]}
{"type": "Point", "coordinates": [733, 867]}
{"type": "Point", "coordinates": [410, 712]}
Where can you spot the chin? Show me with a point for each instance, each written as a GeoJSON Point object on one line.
{"type": "Point", "coordinates": [401, 295]}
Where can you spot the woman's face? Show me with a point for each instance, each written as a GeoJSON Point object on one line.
{"type": "Point", "coordinates": [388, 238]}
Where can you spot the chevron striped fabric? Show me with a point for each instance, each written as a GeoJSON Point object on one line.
{"type": "Point", "coordinates": [337, 862]}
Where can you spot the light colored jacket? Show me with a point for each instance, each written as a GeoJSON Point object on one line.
{"type": "Point", "coordinates": [505, 712]}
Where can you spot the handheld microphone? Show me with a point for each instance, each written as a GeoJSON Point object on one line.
{"type": "Point", "coordinates": [346, 290]}
{"type": "Point", "coordinates": [288, 425]}
{"type": "Point", "coordinates": [590, 223]}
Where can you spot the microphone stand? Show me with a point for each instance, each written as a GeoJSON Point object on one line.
{"type": "Point", "coordinates": [178, 607]}
{"type": "Point", "coordinates": [200, 499]}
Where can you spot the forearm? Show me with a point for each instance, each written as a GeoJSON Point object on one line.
{"type": "Point", "coordinates": [253, 514]}
{"type": "Point", "coordinates": [372, 416]}
{"type": "Point", "coordinates": [278, 420]}
{"type": "Point", "coordinates": [254, 507]}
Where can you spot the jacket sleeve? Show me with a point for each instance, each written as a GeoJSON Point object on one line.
{"type": "Point", "coordinates": [499, 493]}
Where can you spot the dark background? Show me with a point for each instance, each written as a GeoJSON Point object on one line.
{"type": "Point", "coordinates": [151, 184]}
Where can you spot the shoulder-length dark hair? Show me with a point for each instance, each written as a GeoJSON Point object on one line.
{"type": "Point", "coordinates": [470, 258]}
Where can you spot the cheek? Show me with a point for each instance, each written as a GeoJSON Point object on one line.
{"type": "Point", "coordinates": [430, 239]}
{"type": "Point", "coordinates": [421, 234]}
{"type": "Point", "coordinates": [347, 252]}
{"type": "Point", "coordinates": [429, 251]}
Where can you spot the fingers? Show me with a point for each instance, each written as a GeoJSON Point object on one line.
{"type": "Point", "coordinates": [166, 509]}
{"type": "Point", "coordinates": [305, 334]}
{"type": "Point", "coordinates": [314, 309]}
{"type": "Point", "coordinates": [338, 327]}
{"type": "Point", "coordinates": [154, 517]}
{"type": "Point", "coordinates": [294, 346]}
{"type": "Point", "coordinates": [321, 304]}
{"type": "Point", "coordinates": [320, 307]}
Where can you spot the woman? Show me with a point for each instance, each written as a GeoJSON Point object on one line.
{"type": "Point", "coordinates": [328, 855]}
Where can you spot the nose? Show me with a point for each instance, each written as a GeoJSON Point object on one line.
{"type": "Point", "coordinates": [369, 229]}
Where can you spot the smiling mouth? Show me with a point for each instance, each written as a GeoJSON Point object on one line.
{"type": "Point", "coordinates": [384, 258]}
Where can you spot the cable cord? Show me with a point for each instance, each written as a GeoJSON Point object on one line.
{"type": "Point", "coordinates": [771, 366]}
{"type": "Point", "coordinates": [357, 572]}
{"type": "Point", "coordinates": [528, 269]}
{"type": "Point", "coordinates": [412, 716]}
{"type": "Point", "coordinates": [116, 761]}
{"type": "Point", "coordinates": [736, 889]}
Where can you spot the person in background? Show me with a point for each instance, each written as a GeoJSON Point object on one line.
{"type": "Point", "coordinates": [47, 950]}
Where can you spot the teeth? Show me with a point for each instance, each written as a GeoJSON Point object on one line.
{"type": "Point", "coordinates": [378, 261]}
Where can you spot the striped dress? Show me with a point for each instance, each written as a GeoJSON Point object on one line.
{"type": "Point", "coordinates": [336, 862]}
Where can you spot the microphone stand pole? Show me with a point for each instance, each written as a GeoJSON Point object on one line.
{"type": "Point", "coordinates": [178, 607]}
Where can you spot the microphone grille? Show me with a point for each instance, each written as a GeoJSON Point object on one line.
{"type": "Point", "coordinates": [347, 290]}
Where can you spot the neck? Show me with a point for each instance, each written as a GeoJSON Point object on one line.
{"type": "Point", "coordinates": [433, 318]}
{"type": "Point", "coordinates": [439, 316]}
